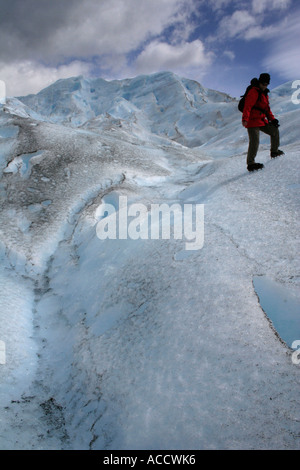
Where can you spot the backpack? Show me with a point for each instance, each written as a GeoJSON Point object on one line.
{"type": "Point", "coordinates": [241, 104]}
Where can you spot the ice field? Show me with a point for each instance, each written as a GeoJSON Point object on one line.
{"type": "Point", "coordinates": [141, 343]}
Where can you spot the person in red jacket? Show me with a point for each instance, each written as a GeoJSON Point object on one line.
{"type": "Point", "coordinates": [257, 116]}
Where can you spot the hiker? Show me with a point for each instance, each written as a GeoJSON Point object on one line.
{"type": "Point", "coordinates": [257, 116]}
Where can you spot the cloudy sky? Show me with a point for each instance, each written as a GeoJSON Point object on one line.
{"type": "Point", "coordinates": [220, 43]}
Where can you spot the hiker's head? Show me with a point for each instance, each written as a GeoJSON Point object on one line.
{"type": "Point", "coordinates": [264, 80]}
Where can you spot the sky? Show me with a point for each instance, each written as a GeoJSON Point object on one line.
{"type": "Point", "coordinates": [222, 44]}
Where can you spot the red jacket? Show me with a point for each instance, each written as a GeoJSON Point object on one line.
{"type": "Point", "coordinates": [257, 117]}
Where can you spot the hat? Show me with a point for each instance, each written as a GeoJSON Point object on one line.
{"type": "Point", "coordinates": [264, 78]}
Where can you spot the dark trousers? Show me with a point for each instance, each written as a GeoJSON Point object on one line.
{"type": "Point", "coordinates": [253, 133]}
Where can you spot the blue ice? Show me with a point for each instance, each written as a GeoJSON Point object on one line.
{"type": "Point", "coordinates": [282, 307]}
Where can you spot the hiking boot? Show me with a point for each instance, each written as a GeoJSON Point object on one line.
{"type": "Point", "coordinates": [255, 166]}
{"type": "Point", "coordinates": [277, 154]}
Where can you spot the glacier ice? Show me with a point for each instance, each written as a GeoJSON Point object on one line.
{"type": "Point", "coordinates": [140, 344]}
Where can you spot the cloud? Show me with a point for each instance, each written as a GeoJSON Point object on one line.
{"type": "Point", "coordinates": [159, 56]}
{"type": "Point", "coordinates": [247, 26]}
{"type": "Point", "coordinates": [51, 31]}
{"type": "Point", "coordinates": [25, 77]}
{"type": "Point", "coordinates": [283, 56]}
{"type": "Point", "coordinates": [236, 24]}
{"type": "Point", "coordinates": [218, 5]}
{"type": "Point", "coordinates": [229, 54]}
{"type": "Point", "coordinates": [261, 32]}
{"type": "Point", "coordinates": [260, 6]}
{"type": "Point", "coordinates": [43, 40]}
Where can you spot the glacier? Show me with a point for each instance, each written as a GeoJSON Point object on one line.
{"type": "Point", "coordinates": [142, 344]}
